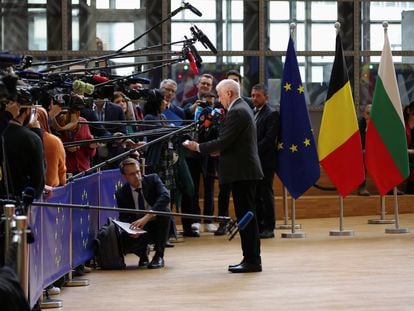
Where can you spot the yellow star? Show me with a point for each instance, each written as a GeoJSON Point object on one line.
{"type": "Point", "coordinates": [294, 148]}
{"type": "Point", "coordinates": [301, 89]}
{"type": "Point", "coordinates": [287, 86]}
{"type": "Point", "coordinates": [279, 146]}
{"type": "Point", "coordinates": [306, 142]}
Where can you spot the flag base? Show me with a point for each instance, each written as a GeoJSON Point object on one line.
{"type": "Point", "coordinates": [286, 226]}
{"type": "Point", "coordinates": [397, 230]}
{"type": "Point", "coordinates": [77, 283]}
{"type": "Point", "coordinates": [381, 221]}
{"type": "Point", "coordinates": [293, 235]}
{"type": "Point", "coordinates": [51, 304]}
{"type": "Point", "coordinates": [341, 233]}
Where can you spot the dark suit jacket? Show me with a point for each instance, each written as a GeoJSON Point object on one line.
{"type": "Point", "coordinates": [267, 125]}
{"type": "Point", "coordinates": [189, 115]}
{"type": "Point", "coordinates": [155, 193]}
{"type": "Point", "coordinates": [237, 143]}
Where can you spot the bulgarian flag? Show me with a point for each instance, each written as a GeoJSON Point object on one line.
{"type": "Point", "coordinates": [386, 155]}
{"type": "Point", "coordinates": [339, 143]}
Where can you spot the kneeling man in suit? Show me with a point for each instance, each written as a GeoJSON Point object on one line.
{"type": "Point", "coordinates": [145, 192]}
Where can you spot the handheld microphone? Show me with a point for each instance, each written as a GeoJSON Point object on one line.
{"type": "Point", "coordinates": [193, 64]}
{"type": "Point", "coordinates": [192, 9]}
{"type": "Point", "coordinates": [241, 225]}
{"type": "Point", "coordinates": [99, 79]}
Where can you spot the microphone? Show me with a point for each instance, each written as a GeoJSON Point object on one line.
{"type": "Point", "coordinates": [192, 9]}
{"type": "Point", "coordinates": [28, 196]}
{"type": "Point", "coordinates": [197, 56]}
{"type": "Point", "coordinates": [241, 225]}
{"type": "Point", "coordinates": [205, 41]}
{"type": "Point", "coordinates": [99, 79]}
{"type": "Point", "coordinates": [192, 61]}
{"type": "Point", "coordinates": [10, 59]}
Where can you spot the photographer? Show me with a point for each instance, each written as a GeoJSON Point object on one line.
{"type": "Point", "coordinates": [23, 161]}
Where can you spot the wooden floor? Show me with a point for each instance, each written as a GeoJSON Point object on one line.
{"type": "Point", "coordinates": [370, 271]}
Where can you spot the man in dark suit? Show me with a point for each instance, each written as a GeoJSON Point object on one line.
{"type": "Point", "coordinates": [239, 165]}
{"type": "Point", "coordinates": [267, 125]}
{"type": "Point", "coordinates": [168, 87]}
{"type": "Point", "coordinates": [146, 192]}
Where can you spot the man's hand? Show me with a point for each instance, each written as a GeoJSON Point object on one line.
{"type": "Point", "coordinates": [191, 144]}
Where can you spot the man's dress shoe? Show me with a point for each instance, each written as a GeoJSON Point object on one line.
{"type": "Point", "coordinates": [156, 262]}
{"type": "Point", "coordinates": [221, 230]}
{"type": "Point", "coordinates": [192, 234]}
{"type": "Point", "coordinates": [143, 262]}
{"type": "Point", "coordinates": [267, 234]}
{"type": "Point", "coordinates": [246, 267]}
{"type": "Point", "coordinates": [169, 244]}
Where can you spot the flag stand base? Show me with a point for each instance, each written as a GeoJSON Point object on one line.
{"type": "Point", "coordinates": [341, 233]}
{"type": "Point", "coordinates": [286, 226]}
{"type": "Point", "coordinates": [381, 221]}
{"type": "Point", "coordinates": [293, 235]}
{"type": "Point", "coordinates": [51, 304]}
{"type": "Point", "coordinates": [77, 283]}
{"type": "Point", "coordinates": [397, 230]}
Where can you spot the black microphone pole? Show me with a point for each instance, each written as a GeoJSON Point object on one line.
{"type": "Point", "coordinates": [127, 153]}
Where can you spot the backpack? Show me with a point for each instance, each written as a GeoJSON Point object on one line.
{"type": "Point", "coordinates": [108, 250]}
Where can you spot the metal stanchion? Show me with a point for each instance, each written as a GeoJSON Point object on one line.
{"type": "Point", "coordinates": [382, 220]}
{"type": "Point", "coordinates": [397, 228]}
{"type": "Point", "coordinates": [285, 224]}
{"type": "Point", "coordinates": [9, 223]}
{"type": "Point", "coordinates": [341, 231]}
{"type": "Point", "coordinates": [293, 234]}
{"type": "Point", "coordinates": [22, 264]}
{"type": "Point", "coordinates": [73, 282]}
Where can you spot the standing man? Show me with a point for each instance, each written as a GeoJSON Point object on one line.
{"type": "Point", "coordinates": [236, 76]}
{"type": "Point", "coordinates": [168, 87]}
{"type": "Point", "coordinates": [239, 165]}
{"type": "Point", "coordinates": [267, 125]}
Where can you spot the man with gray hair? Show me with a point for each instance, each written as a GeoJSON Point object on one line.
{"type": "Point", "coordinates": [168, 88]}
{"type": "Point", "coordinates": [239, 165]}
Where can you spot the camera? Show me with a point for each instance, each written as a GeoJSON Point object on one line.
{"type": "Point", "coordinates": [203, 104]}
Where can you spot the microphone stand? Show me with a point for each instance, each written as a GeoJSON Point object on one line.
{"type": "Point", "coordinates": [138, 122]}
{"type": "Point", "coordinates": [169, 16]}
{"type": "Point", "coordinates": [115, 138]}
{"type": "Point", "coordinates": [127, 153]}
{"type": "Point", "coordinates": [221, 219]}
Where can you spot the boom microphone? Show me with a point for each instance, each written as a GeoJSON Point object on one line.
{"type": "Point", "coordinates": [205, 41]}
{"type": "Point", "coordinates": [241, 225]}
{"type": "Point", "coordinates": [192, 9]}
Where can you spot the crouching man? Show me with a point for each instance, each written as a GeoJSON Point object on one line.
{"type": "Point", "coordinates": [143, 192]}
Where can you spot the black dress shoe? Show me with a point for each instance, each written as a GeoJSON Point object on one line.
{"type": "Point", "coordinates": [156, 262]}
{"type": "Point", "coordinates": [169, 244]}
{"type": "Point", "coordinates": [267, 234]}
{"type": "Point", "coordinates": [143, 262]}
{"type": "Point", "coordinates": [246, 267]}
{"type": "Point", "coordinates": [241, 262]}
{"type": "Point", "coordinates": [191, 233]}
{"type": "Point", "coordinates": [221, 230]}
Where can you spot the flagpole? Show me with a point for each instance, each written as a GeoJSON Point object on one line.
{"type": "Point", "coordinates": [397, 228]}
{"type": "Point", "coordinates": [341, 231]}
{"type": "Point", "coordinates": [382, 220]}
{"type": "Point", "coordinates": [293, 234]}
{"type": "Point", "coordinates": [285, 224]}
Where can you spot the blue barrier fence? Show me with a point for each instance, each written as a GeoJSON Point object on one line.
{"type": "Point", "coordinates": [63, 236]}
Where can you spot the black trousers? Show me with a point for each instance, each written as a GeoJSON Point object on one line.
{"type": "Point", "coordinates": [265, 202]}
{"type": "Point", "coordinates": [157, 233]}
{"type": "Point", "coordinates": [243, 197]}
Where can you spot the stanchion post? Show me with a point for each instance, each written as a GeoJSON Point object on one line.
{"type": "Point", "coordinates": [397, 228]}
{"type": "Point", "coordinates": [22, 265]}
{"type": "Point", "coordinates": [9, 215]}
{"type": "Point", "coordinates": [341, 231]}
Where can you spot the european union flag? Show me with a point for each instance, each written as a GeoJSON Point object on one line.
{"type": "Point", "coordinates": [298, 163]}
